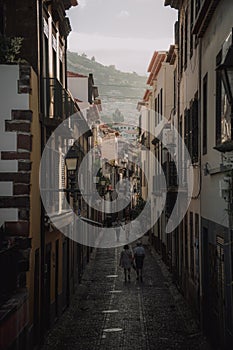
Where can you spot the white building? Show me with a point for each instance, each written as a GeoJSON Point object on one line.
{"type": "Point", "coordinates": [204, 110]}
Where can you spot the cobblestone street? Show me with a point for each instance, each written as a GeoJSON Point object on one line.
{"type": "Point", "coordinates": [107, 313]}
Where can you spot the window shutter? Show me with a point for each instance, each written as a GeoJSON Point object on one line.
{"type": "Point", "coordinates": [195, 130]}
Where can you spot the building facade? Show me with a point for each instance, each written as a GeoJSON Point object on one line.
{"type": "Point", "coordinates": [189, 85]}
{"type": "Point", "coordinates": [204, 106]}
{"type": "Point", "coordinates": [44, 265]}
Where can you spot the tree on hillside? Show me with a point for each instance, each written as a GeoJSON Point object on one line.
{"type": "Point", "coordinates": [93, 58]}
{"type": "Point", "coordinates": [112, 66]}
{"type": "Point", "coordinates": [117, 116]}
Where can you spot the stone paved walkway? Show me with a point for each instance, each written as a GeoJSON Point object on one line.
{"type": "Point", "coordinates": [107, 313]}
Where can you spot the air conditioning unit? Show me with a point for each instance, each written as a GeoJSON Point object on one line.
{"type": "Point", "coordinates": [224, 187]}
{"type": "Point", "coordinates": [168, 137]}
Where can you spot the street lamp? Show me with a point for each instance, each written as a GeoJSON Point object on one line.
{"type": "Point", "coordinates": [71, 160]}
{"type": "Point", "coordinates": [226, 67]}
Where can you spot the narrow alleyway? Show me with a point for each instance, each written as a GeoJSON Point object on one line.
{"type": "Point", "coordinates": [108, 313]}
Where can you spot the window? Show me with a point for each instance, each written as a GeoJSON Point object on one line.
{"type": "Point", "coordinates": [161, 102]}
{"type": "Point", "coordinates": [218, 99]}
{"type": "Point", "coordinates": [54, 46]}
{"type": "Point", "coordinates": [187, 130]}
{"type": "Point", "coordinates": [61, 72]}
{"type": "Point", "coordinates": [205, 111]}
{"type": "Point", "coordinates": [148, 134]}
{"type": "Point", "coordinates": [174, 89]}
{"type": "Point", "coordinates": [54, 64]}
{"type": "Point", "coordinates": [181, 48]}
{"type": "Point", "coordinates": [191, 245]}
{"type": "Point", "coordinates": [185, 240]}
{"type": "Point", "coordinates": [197, 7]}
{"type": "Point", "coordinates": [155, 111]}
{"type": "Point", "coordinates": [158, 105]}
{"type": "Point", "coordinates": [195, 127]}
{"type": "Point", "coordinates": [191, 26]}
{"type": "Point", "coordinates": [223, 109]}
{"type": "Point", "coordinates": [180, 148]}
{"type": "Point", "coordinates": [191, 129]}
{"type": "Point", "coordinates": [46, 56]}
{"type": "Point", "coordinates": [186, 39]}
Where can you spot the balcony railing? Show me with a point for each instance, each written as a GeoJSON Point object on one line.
{"type": "Point", "coordinates": [58, 103]}
{"type": "Point", "coordinates": [170, 173]}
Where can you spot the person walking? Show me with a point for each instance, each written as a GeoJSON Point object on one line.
{"type": "Point", "coordinates": [139, 255]}
{"type": "Point", "coordinates": [126, 261]}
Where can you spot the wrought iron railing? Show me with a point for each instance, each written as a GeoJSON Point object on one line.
{"type": "Point", "coordinates": [58, 103]}
{"type": "Point", "coordinates": [170, 173]}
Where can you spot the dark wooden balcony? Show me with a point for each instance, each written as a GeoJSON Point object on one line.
{"type": "Point", "coordinates": [170, 173]}
{"type": "Point", "coordinates": [58, 103]}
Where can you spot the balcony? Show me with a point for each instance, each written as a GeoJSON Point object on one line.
{"type": "Point", "coordinates": [205, 11]}
{"type": "Point", "coordinates": [58, 103]}
{"type": "Point", "coordinates": [170, 173]}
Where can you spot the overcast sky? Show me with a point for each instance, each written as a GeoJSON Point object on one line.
{"type": "Point", "coordinates": [121, 32]}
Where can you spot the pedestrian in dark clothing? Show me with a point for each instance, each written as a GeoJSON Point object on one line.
{"type": "Point", "coordinates": [126, 261]}
{"type": "Point", "coordinates": [139, 255]}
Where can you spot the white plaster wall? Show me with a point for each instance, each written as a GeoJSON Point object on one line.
{"type": "Point", "coordinates": [8, 166]}
{"type": "Point", "coordinates": [9, 97]}
{"type": "Point", "coordinates": [213, 207]}
{"type": "Point", "coordinates": [7, 214]}
{"type": "Point", "coordinates": [6, 188]}
{"type": "Point", "coordinates": [165, 82]}
{"type": "Point", "coordinates": [189, 85]}
{"type": "Point", "coordinates": [78, 88]}
{"type": "Point", "coordinates": [8, 140]}
{"type": "Point", "coordinates": [9, 100]}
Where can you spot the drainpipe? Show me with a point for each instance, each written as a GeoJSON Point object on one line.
{"type": "Point", "coordinates": [69, 241]}
{"type": "Point", "coordinates": [41, 116]}
{"type": "Point", "coordinates": [180, 281]}
{"type": "Point", "coordinates": [200, 296]}
{"type": "Point", "coordinates": [228, 306]}
{"type": "Point", "coordinates": [65, 64]}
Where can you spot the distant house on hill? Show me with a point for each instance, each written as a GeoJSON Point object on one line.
{"type": "Point", "coordinates": [128, 132]}
{"type": "Point", "coordinates": [86, 95]}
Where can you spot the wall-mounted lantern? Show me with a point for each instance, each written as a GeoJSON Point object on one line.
{"type": "Point", "coordinates": [226, 71]}
{"type": "Point", "coordinates": [71, 160]}
{"type": "Point", "coordinates": [226, 67]}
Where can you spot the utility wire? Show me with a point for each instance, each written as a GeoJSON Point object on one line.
{"type": "Point", "coordinates": [121, 97]}
{"type": "Point", "coordinates": [130, 86]}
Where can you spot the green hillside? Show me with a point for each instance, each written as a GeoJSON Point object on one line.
{"type": "Point", "coordinates": [116, 89]}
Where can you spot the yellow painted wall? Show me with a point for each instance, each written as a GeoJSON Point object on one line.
{"type": "Point", "coordinates": [51, 237]}
{"type": "Point", "coordinates": [35, 209]}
